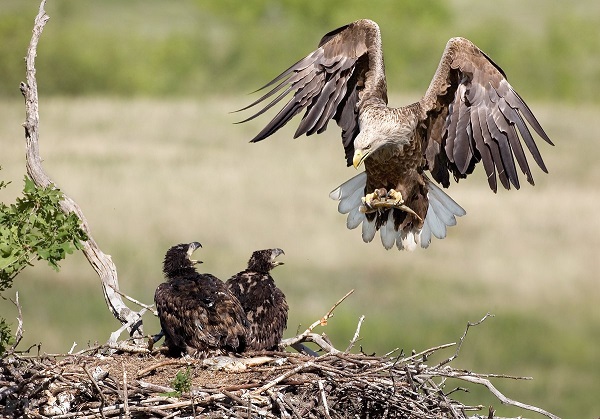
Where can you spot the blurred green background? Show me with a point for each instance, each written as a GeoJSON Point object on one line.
{"type": "Point", "coordinates": [135, 126]}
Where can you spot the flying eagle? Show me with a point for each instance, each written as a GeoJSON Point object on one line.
{"type": "Point", "coordinates": [264, 303]}
{"type": "Point", "coordinates": [198, 314]}
{"type": "Point", "coordinates": [469, 113]}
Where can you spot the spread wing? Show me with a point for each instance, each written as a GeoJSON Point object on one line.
{"type": "Point", "coordinates": [329, 83]}
{"type": "Point", "coordinates": [472, 114]}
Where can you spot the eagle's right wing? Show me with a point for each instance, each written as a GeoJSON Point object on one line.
{"type": "Point", "coordinates": [329, 83]}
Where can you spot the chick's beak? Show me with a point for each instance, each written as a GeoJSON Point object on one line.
{"type": "Point", "coordinates": [192, 247]}
{"type": "Point", "coordinates": [274, 254]}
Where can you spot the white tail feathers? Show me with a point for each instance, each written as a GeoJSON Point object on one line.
{"type": "Point", "coordinates": [388, 232]}
{"type": "Point", "coordinates": [346, 189]}
{"type": "Point", "coordinates": [441, 213]}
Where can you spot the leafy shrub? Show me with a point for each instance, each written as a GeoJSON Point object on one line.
{"type": "Point", "coordinates": [5, 335]}
{"type": "Point", "coordinates": [183, 381]}
{"type": "Point", "coordinates": [35, 228]}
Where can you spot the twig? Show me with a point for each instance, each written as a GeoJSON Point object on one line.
{"type": "Point", "coordinates": [426, 352]}
{"type": "Point", "coordinates": [303, 349]}
{"type": "Point", "coordinates": [133, 300]}
{"type": "Point", "coordinates": [307, 334]}
{"type": "Point", "coordinates": [387, 354]}
{"type": "Point", "coordinates": [236, 398]}
{"type": "Point", "coordinates": [98, 390]}
{"type": "Point", "coordinates": [114, 336]}
{"type": "Point", "coordinates": [125, 347]}
{"type": "Point", "coordinates": [145, 371]}
{"type": "Point", "coordinates": [329, 314]}
{"type": "Point", "coordinates": [292, 407]}
{"type": "Point", "coordinates": [323, 320]}
{"type": "Point", "coordinates": [356, 334]}
{"type": "Point", "coordinates": [19, 332]}
{"type": "Point", "coordinates": [282, 377]}
{"type": "Point", "coordinates": [503, 399]}
{"type": "Point", "coordinates": [125, 392]}
{"type": "Point", "coordinates": [278, 400]}
{"type": "Point", "coordinates": [462, 339]}
{"type": "Point", "coordinates": [324, 399]}
{"type": "Point", "coordinates": [323, 344]}
{"type": "Point", "coordinates": [154, 387]}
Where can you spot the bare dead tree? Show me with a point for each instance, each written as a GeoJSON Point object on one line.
{"type": "Point", "coordinates": [101, 262]}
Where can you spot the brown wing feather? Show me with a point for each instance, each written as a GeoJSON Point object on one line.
{"type": "Point", "coordinates": [471, 113]}
{"type": "Point", "coordinates": [199, 315]}
{"type": "Point", "coordinates": [265, 307]}
{"type": "Point", "coordinates": [328, 84]}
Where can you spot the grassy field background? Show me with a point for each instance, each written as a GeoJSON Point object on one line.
{"type": "Point", "coordinates": [163, 163]}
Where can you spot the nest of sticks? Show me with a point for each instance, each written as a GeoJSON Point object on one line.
{"type": "Point", "coordinates": [123, 380]}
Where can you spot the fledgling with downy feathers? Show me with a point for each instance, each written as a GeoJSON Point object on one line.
{"type": "Point", "coordinates": [198, 314]}
{"type": "Point", "coordinates": [264, 304]}
{"type": "Point", "coordinates": [469, 114]}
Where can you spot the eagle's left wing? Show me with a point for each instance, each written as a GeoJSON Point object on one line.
{"type": "Point", "coordinates": [471, 113]}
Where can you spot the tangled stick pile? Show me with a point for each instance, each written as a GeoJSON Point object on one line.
{"type": "Point", "coordinates": [286, 385]}
{"type": "Point", "coordinates": [138, 382]}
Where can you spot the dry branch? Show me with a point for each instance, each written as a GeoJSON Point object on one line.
{"type": "Point", "coordinates": [477, 379]}
{"type": "Point", "coordinates": [462, 339]}
{"type": "Point", "coordinates": [356, 334]}
{"type": "Point", "coordinates": [309, 336]}
{"type": "Point", "coordinates": [19, 331]}
{"type": "Point", "coordinates": [101, 262]}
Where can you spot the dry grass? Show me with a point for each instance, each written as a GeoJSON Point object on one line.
{"type": "Point", "coordinates": [148, 174]}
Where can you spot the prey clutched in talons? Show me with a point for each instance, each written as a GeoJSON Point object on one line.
{"type": "Point", "coordinates": [382, 199]}
{"type": "Point", "coordinates": [372, 201]}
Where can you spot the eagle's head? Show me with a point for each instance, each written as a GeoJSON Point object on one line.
{"type": "Point", "coordinates": [264, 260]}
{"type": "Point", "coordinates": [178, 260]}
{"type": "Point", "coordinates": [386, 134]}
{"type": "Point", "coordinates": [365, 144]}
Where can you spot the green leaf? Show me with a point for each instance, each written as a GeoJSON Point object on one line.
{"type": "Point", "coordinates": [35, 227]}
{"type": "Point", "coordinates": [29, 186]}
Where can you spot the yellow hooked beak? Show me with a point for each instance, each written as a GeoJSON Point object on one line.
{"type": "Point", "coordinates": [359, 156]}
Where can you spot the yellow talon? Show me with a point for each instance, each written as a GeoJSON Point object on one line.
{"type": "Point", "coordinates": [397, 196]}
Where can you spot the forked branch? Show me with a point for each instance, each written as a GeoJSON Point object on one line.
{"type": "Point", "coordinates": [309, 336]}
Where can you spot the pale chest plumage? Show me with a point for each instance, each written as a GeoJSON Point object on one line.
{"type": "Point", "coordinates": [401, 154]}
